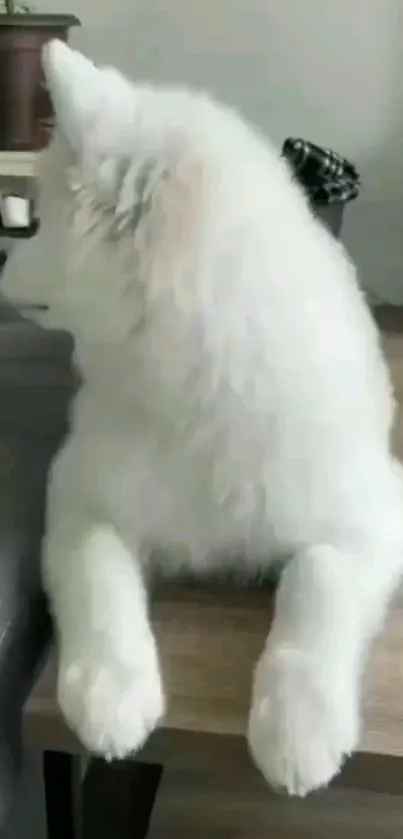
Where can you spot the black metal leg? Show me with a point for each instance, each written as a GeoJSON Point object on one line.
{"type": "Point", "coordinates": [118, 798]}
{"type": "Point", "coordinates": [62, 780]}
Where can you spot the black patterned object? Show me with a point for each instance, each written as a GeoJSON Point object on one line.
{"type": "Point", "coordinates": [20, 232]}
{"type": "Point", "coordinates": [327, 177]}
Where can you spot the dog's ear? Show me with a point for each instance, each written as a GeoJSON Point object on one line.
{"type": "Point", "coordinates": [75, 86]}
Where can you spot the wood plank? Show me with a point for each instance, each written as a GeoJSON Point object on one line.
{"type": "Point", "coordinates": [208, 806]}
{"type": "Point", "coordinates": [209, 642]}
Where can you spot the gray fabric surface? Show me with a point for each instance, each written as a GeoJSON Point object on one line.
{"type": "Point", "coordinates": [36, 385]}
{"type": "Point", "coordinates": [36, 381]}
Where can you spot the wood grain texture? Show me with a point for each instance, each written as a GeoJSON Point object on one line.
{"type": "Point", "coordinates": [209, 642]}
{"type": "Point", "coordinates": [393, 344]}
{"type": "Point", "coordinates": [205, 806]}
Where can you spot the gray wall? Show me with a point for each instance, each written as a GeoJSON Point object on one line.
{"type": "Point", "coordinates": [330, 70]}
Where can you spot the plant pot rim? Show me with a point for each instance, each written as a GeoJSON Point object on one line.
{"type": "Point", "coordinates": [38, 21]}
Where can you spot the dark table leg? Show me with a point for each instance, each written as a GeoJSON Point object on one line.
{"type": "Point", "coordinates": [62, 780]}
{"type": "Point", "coordinates": [114, 801]}
{"type": "Point", "coordinates": [118, 798]}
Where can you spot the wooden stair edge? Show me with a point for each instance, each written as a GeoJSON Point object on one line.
{"type": "Point", "coordinates": [209, 642]}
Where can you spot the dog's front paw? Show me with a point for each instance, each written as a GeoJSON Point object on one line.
{"type": "Point", "coordinates": [301, 727]}
{"type": "Point", "coordinates": [111, 705]}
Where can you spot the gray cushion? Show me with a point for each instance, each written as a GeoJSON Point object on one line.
{"type": "Point", "coordinates": [36, 384]}
{"type": "Point", "coordinates": [36, 380]}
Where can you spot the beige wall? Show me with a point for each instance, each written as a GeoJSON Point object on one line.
{"type": "Point", "coordinates": [330, 70]}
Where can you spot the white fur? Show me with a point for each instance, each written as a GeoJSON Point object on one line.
{"type": "Point", "coordinates": [235, 404]}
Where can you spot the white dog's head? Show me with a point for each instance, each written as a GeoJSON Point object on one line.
{"type": "Point", "coordinates": [145, 200]}
{"type": "Point", "coordinates": [109, 151]}
{"type": "Point", "coordinates": [81, 179]}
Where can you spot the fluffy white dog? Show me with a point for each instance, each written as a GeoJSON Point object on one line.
{"type": "Point", "coordinates": [234, 402]}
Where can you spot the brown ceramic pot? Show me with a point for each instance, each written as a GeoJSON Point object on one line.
{"type": "Point", "coordinates": [26, 118]}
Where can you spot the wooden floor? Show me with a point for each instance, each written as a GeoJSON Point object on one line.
{"type": "Point", "coordinates": [128, 800]}
{"type": "Point", "coordinates": [203, 807]}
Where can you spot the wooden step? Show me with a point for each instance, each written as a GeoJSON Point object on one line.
{"type": "Point", "coordinates": [209, 641]}
{"type": "Point", "coordinates": [211, 806]}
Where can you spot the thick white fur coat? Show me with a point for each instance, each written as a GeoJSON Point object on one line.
{"type": "Point", "coordinates": [235, 407]}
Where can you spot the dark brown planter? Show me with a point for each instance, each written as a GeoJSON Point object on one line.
{"type": "Point", "coordinates": [26, 117]}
